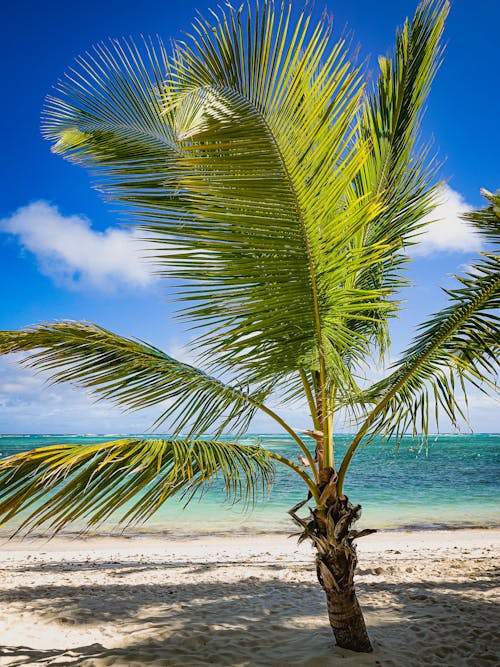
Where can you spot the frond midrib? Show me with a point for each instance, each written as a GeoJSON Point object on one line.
{"type": "Point", "coordinates": [312, 271]}
{"type": "Point", "coordinates": [147, 351]}
{"type": "Point", "coordinates": [449, 328]}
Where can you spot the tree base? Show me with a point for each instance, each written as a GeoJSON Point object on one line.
{"type": "Point", "coordinates": [347, 622]}
{"type": "Point", "coordinates": [329, 529]}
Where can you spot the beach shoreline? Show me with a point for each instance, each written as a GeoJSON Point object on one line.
{"type": "Point", "coordinates": [245, 600]}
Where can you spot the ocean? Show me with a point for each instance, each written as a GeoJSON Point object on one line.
{"type": "Point", "coordinates": [451, 482]}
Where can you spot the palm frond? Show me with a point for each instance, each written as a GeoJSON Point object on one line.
{"type": "Point", "coordinates": [398, 171]}
{"type": "Point", "coordinates": [460, 341]}
{"type": "Point", "coordinates": [458, 344]}
{"type": "Point", "coordinates": [134, 375]}
{"type": "Point", "coordinates": [62, 484]}
{"type": "Point", "coordinates": [391, 121]}
{"type": "Point", "coordinates": [238, 151]}
{"type": "Point", "coordinates": [486, 221]}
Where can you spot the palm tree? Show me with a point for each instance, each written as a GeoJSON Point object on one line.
{"type": "Point", "coordinates": [280, 194]}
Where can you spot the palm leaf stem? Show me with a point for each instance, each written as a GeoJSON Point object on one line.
{"type": "Point", "coordinates": [331, 421]}
{"type": "Point", "coordinates": [290, 431]}
{"type": "Point", "coordinates": [448, 328]}
{"type": "Point", "coordinates": [312, 275]}
{"type": "Point", "coordinates": [310, 484]}
{"type": "Point", "coordinates": [310, 399]}
{"type": "Point", "coordinates": [354, 445]}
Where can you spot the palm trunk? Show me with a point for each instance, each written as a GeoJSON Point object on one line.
{"type": "Point", "coordinates": [346, 620]}
{"type": "Point", "coordinates": [329, 528]}
{"type": "Point", "coordinates": [335, 565]}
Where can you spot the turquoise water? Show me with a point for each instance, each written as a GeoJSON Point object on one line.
{"type": "Point", "coordinates": [453, 482]}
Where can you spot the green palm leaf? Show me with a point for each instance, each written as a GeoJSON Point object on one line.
{"type": "Point", "coordinates": [241, 180]}
{"type": "Point", "coordinates": [62, 484]}
{"type": "Point", "coordinates": [486, 220]}
{"type": "Point", "coordinates": [461, 339]}
{"type": "Point", "coordinates": [134, 375]}
{"type": "Point", "coordinates": [399, 176]}
{"type": "Point", "coordinates": [461, 342]}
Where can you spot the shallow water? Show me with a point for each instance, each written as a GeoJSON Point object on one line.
{"type": "Point", "coordinates": [451, 482]}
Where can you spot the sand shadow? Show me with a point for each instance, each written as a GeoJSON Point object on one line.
{"type": "Point", "coordinates": [176, 624]}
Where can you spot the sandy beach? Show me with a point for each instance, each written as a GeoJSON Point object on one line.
{"type": "Point", "coordinates": [429, 599]}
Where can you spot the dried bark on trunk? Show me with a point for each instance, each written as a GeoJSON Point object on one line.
{"type": "Point", "coordinates": [335, 566]}
{"type": "Point", "coordinates": [330, 529]}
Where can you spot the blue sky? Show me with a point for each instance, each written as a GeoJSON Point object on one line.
{"type": "Point", "coordinates": [64, 255]}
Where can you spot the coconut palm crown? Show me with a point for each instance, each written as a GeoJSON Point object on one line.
{"type": "Point", "coordinates": [280, 193]}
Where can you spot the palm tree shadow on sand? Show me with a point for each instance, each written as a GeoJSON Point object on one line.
{"type": "Point", "coordinates": [253, 622]}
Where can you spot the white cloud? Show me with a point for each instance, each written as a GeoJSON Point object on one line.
{"type": "Point", "coordinates": [72, 253]}
{"type": "Point", "coordinates": [446, 231]}
{"type": "Point", "coordinates": [28, 404]}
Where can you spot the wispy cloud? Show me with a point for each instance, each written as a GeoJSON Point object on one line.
{"type": "Point", "coordinates": [73, 254]}
{"type": "Point", "coordinates": [29, 404]}
{"type": "Point", "coordinates": [446, 231]}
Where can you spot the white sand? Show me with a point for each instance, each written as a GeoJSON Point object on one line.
{"type": "Point", "coordinates": [429, 599]}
